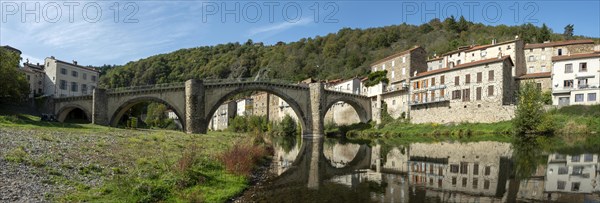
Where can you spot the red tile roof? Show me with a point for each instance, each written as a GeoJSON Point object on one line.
{"type": "Point", "coordinates": [466, 65]}
{"type": "Point", "coordinates": [490, 45]}
{"type": "Point", "coordinates": [559, 43]}
{"type": "Point", "coordinates": [535, 75]}
{"type": "Point", "coordinates": [576, 56]}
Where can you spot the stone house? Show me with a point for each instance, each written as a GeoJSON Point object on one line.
{"type": "Point", "coordinates": [576, 79]}
{"type": "Point", "coordinates": [69, 79]}
{"type": "Point", "coordinates": [572, 173]}
{"type": "Point", "coordinates": [539, 59]}
{"type": "Point", "coordinates": [221, 118]}
{"type": "Point", "coordinates": [480, 91]}
{"type": "Point", "coordinates": [35, 76]}
{"type": "Point", "coordinates": [244, 107]}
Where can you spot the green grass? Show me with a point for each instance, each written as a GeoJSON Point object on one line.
{"type": "Point", "coordinates": [131, 165]}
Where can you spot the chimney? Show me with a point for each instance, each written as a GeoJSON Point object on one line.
{"type": "Point", "coordinates": [75, 62]}
{"type": "Point", "coordinates": [547, 41]}
{"type": "Point", "coordinates": [493, 41]}
{"type": "Point", "coordinates": [38, 64]}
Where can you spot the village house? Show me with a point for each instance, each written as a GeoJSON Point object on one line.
{"type": "Point", "coordinates": [244, 107]}
{"type": "Point", "coordinates": [576, 79]}
{"type": "Point", "coordinates": [539, 59]}
{"type": "Point", "coordinates": [223, 115]}
{"type": "Point", "coordinates": [69, 79]}
{"type": "Point", "coordinates": [480, 91]}
{"type": "Point", "coordinates": [399, 66]}
{"type": "Point", "coordinates": [35, 75]}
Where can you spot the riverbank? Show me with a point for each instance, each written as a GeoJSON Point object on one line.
{"type": "Point", "coordinates": [46, 161]}
{"type": "Point", "coordinates": [566, 122]}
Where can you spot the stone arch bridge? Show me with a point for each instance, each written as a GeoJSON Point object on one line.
{"type": "Point", "coordinates": [195, 101]}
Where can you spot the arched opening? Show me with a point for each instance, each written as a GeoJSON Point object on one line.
{"type": "Point", "coordinates": [343, 115]}
{"type": "Point", "coordinates": [245, 109]}
{"type": "Point", "coordinates": [147, 112]}
{"type": "Point", "coordinates": [73, 114]}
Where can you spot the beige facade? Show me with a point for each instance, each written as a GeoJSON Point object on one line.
{"type": "Point", "coordinates": [225, 112]}
{"type": "Point", "coordinates": [69, 79]}
{"type": "Point", "coordinates": [397, 103]}
{"type": "Point", "coordinates": [342, 113]}
{"type": "Point", "coordinates": [481, 91]}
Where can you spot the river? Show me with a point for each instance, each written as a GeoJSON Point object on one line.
{"type": "Point", "coordinates": [333, 170]}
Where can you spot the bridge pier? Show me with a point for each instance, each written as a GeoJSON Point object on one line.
{"type": "Point", "coordinates": [100, 107]}
{"type": "Point", "coordinates": [317, 106]}
{"type": "Point", "coordinates": [194, 107]}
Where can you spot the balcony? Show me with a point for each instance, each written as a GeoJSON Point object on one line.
{"type": "Point", "coordinates": [576, 87]}
{"type": "Point", "coordinates": [429, 101]}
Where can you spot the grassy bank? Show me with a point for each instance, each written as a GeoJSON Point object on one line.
{"type": "Point", "coordinates": [99, 164]}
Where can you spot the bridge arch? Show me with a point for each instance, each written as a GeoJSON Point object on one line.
{"type": "Point", "coordinates": [362, 111]}
{"type": "Point", "coordinates": [63, 112]}
{"type": "Point", "coordinates": [223, 97]}
{"type": "Point", "coordinates": [123, 107]}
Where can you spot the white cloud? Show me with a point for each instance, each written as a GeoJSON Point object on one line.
{"type": "Point", "coordinates": [277, 28]}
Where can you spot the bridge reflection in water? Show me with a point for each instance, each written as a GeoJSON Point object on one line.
{"type": "Point", "coordinates": [326, 170]}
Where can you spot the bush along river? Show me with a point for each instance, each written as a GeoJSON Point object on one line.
{"type": "Point", "coordinates": [336, 170]}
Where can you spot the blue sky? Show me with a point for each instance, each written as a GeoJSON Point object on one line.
{"type": "Point", "coordinates": [116, 32]}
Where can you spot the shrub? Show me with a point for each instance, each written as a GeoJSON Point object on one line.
{"type": "Point", "coordinates": [241, 159]}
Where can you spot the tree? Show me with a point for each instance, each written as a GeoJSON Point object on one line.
{"type": "Point", "coordinates": [568, 34]}
{"type": "Point", "coordinates": [544, 34]}
{"type": "Point", "coordinates": [14, 86]}
{"type": "Point", "coordinates": [450, 24]}
{"type": "Point", "coordinates": [530, 117]}
{"type": "Point", "coordinates": [463, 25]}
{"type": "Point", "coordinates": [155, 116]}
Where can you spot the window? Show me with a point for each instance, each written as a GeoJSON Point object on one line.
{"type": "Point", "coordinates": [563, 170]}
{"type": "Point", "coordinates": [63, 85]}
{"type": "Point", "coordinates": [582, 67]}
{"type": "Point", "coordinates": [456, 81]}
{"type": "Point", "coordinates": [538, 86]}
{"type": "Point", "coordinates": [530, 50]}
{"type": "Point", "coordinates": [575, 158]}
{"type": "Point", "coordinates": [499, 48]}
{"type": "Point", "coordinates": [486, 184]}
{"type": "Point", "coordinates": [568, 83]}
{"type": "Point", "coordinates": [530, 69]}
{"type": "Point", "coordinates": [577, 170]}
{"type": "Point", "coordinates": [63, 71]}
{"type": "Point", "coordinates": [591, 97]}
{"type": "Point", "coordinates": [483, 53]}
{"type": "Point", "coordinates": [476, 169]}
{"type": "Point", "coordinates": [73, 87]}
{"type": "Point", "coordinates": [560, 185]}
{"type": "Point", "coordinates": [582, 83]}
{"type": "Point", "coordinates": [383, 67]}
{"type": "Point", "coordinates": [466, 95]}
{"type": "Point", "coordinates": [478, 93]}
{"type": "Point", "coordinates": [93, 78]}
{"type": "Point", "coordinates": [560, 52]}
{"type": "Point", "coordinates": [454, 168]}
{"type": "Point", "coordinates": [74, 73]}
{"type": "Point", "coordinates": [531, 58]}
{"type": "Point", "coordinates": [491, 75]}
{"type": "Point", "coordinates": [403, 71]}
{"type": "Point", "coordinates": [479, 77]}
{"type": "Point", "coordinates": [439, 183]}
{"type": "Point", "coordinates": [458, 62]}
{"type": "Point", "coordinates": [454, 181]}
{"type": "Point", "coordinates": [544, 68]}
{"type": "Point", "coordinates": [490, 90]}
{"type": "Point", "coordinates": [568, 68]}
{"type": "Point", "coordinates": [464, 167]}
{"type": "Point", "coordinates": [404, 59]}
{"type": "Point", "coordinates": [440, 171]}
{"type": "Point", "coordinates": [475, 183]}
{"type": "Point", "coordinates": [588, 157]}
{"type": "Point", "coordinates": [508, 47]}
{"type": "Point", "coordinates": [84, 76]}
{"type": "Point", "coordinates": [488, 170]}
{"type": "Point", "coordinates": [575, 186]}
{"type": "Point", "coordinates": [456, 94]}
{"type": "Point", "coordinates": [579, 98]}
{"type": "Point", "coordinates": [464, 182]}
{"type": "Point", "coordinates": [442, 79]}
{"type": "Point", "coordinates": [543, 57]}
{"type": "Point", "coordinates": [468, 79]}
{"type": "Point", "coordinates": [394, 102]}
{"type": "Point", "coordinates": [28, 77]}
{"type": "Point", "coordinates": [84, 88]}
{"type": "Point", "coordinates": [393, 63]}
{"type": "Point", "coordinates": [432, 81]}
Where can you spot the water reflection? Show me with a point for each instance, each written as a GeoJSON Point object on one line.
{"type": "Point", "coordinates": [327, 170]}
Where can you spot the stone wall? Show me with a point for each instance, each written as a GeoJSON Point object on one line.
{"type": "Point", "coordinates": [480, 112]}
{"type": "Point", "coordinates": [341, 114]}
{"type": "Point", "coordinates": [546, 83]}
{"type": "Point", "coordinates": [397, 103]}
